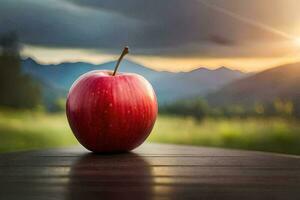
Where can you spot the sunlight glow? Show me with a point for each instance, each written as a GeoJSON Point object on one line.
{"type": "Point", "coordinates": [297, 41]}
{"type": "Point", "coordinates": [247, 64]}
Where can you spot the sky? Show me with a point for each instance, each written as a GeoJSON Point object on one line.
{"type": "Point", "coordinates": [174, 35]}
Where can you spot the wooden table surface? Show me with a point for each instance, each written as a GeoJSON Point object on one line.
{"type": "Point", "coordinates": [152, 171]}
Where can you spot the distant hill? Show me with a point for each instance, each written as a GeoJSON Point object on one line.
{"type": "Point", "coordinates": [281, 82]}
{"type": "Point", "coordinates": [64, 74]}
{"type": "Point", "coordinates": [57, 79]}
{"type": "Point", "coordinates": [198, 82]}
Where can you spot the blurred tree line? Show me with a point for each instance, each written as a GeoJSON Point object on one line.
{"type": "Point", "coordinates": [199, 109]}
{"type": "Point", "coordinates": [16, 89]}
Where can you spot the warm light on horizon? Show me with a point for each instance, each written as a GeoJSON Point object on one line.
{"type": "Point", "coordinates": [175, 64]}
{"type": "Point", "coordinates": [188, 64]}
{"type": "Point", "coordinates": [297, 41]}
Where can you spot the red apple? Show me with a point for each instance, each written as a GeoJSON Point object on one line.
{"type": "Point", "coordinates": [111, 112]}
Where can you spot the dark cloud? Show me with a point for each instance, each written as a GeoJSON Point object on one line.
{"type": "Point", "coordinates": [168, 27]}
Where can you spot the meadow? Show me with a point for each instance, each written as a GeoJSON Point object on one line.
{"type": "Point", "coordinates": [24, 130]}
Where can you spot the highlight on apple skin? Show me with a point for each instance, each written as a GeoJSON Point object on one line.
{"type": "Point", "coordinates": [111, 112]}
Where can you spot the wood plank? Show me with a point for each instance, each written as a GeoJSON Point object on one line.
{"type": "Point", "coordinates": [152, 171]}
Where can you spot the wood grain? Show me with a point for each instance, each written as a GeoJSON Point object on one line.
{"type": "Point", "coordinates": [152, 171]}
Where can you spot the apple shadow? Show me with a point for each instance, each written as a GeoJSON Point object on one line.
{"type": "Point", "coordinates": [110, 176]}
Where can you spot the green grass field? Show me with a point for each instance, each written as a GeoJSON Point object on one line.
{"type": "Point", "coordinates": [32, 130]}
{"type": "Point", "coordinates": [275, 135]}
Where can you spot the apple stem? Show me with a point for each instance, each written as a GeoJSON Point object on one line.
{"type": "Point", "coordinates": [125, 51]}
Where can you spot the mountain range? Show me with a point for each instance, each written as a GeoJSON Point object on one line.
{"type": "Point", "coordinates": [281, 82]}
{"type": "Point", "coordinates": [169, 86]}
{"type": "Point", "coordinates": [195, 83]}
